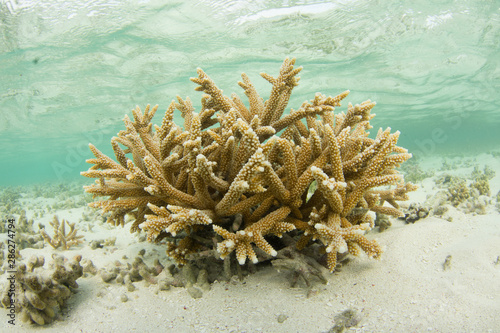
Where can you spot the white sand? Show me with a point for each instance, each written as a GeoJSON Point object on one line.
{"type": "Point", "coordinates": [407, 291]}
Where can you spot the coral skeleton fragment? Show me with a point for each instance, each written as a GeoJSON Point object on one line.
{"type": "Point", "coordinates": [235, 175]}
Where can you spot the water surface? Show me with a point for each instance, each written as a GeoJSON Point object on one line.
{"type": "Point", "coordinates": [70, 70]}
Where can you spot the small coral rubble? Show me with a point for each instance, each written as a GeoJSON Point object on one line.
{"type": "Point", "coordinates": [471, 196]}
{"type": "Point", "coordinates": [235, 176]}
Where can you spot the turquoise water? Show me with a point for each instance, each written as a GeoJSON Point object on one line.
{"type": "Point", "coordinates": [70, 70]}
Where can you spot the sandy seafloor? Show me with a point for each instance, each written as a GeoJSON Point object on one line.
{"type": "Point", "coordinates": [408, 290]}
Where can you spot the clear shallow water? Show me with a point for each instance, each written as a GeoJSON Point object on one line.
{"type": "Point", "coordinates": [70, 70]}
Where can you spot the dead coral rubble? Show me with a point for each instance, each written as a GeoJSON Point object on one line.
{"type": "Point", "coordinates": [235, 176]}
{"type": "Point", "coordinates": [470, 196]}
{"type": "Point", "coordinates": [26, 236]}
{"type": "Point", "coordinates": [40, 293]}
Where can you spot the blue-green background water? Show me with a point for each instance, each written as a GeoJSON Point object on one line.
{"type": "Point", "coordinates": [70, 70]}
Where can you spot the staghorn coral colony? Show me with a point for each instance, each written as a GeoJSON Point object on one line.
{"type": "Point", "coordinates": [235, 176]}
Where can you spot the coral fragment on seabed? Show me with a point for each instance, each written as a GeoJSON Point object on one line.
{"type": "Point", "coordinates": [62, 238]}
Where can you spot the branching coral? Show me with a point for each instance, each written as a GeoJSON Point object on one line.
{"type": "Point", "coordinates": [236, 175]}
{"type": "Point", "coordinates": [61, 238]}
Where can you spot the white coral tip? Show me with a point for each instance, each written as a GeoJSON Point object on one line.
{"type": "Point", "coordinates": [150, 189]}
{"type": "Point", "coordinates": [342, 249]}
{"type": "Point", "coordinates": [243, 185]}
{"type": "Point", "coordinates": [230, 244]}
{"type": "Point", "coordinates": [319, 226]}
